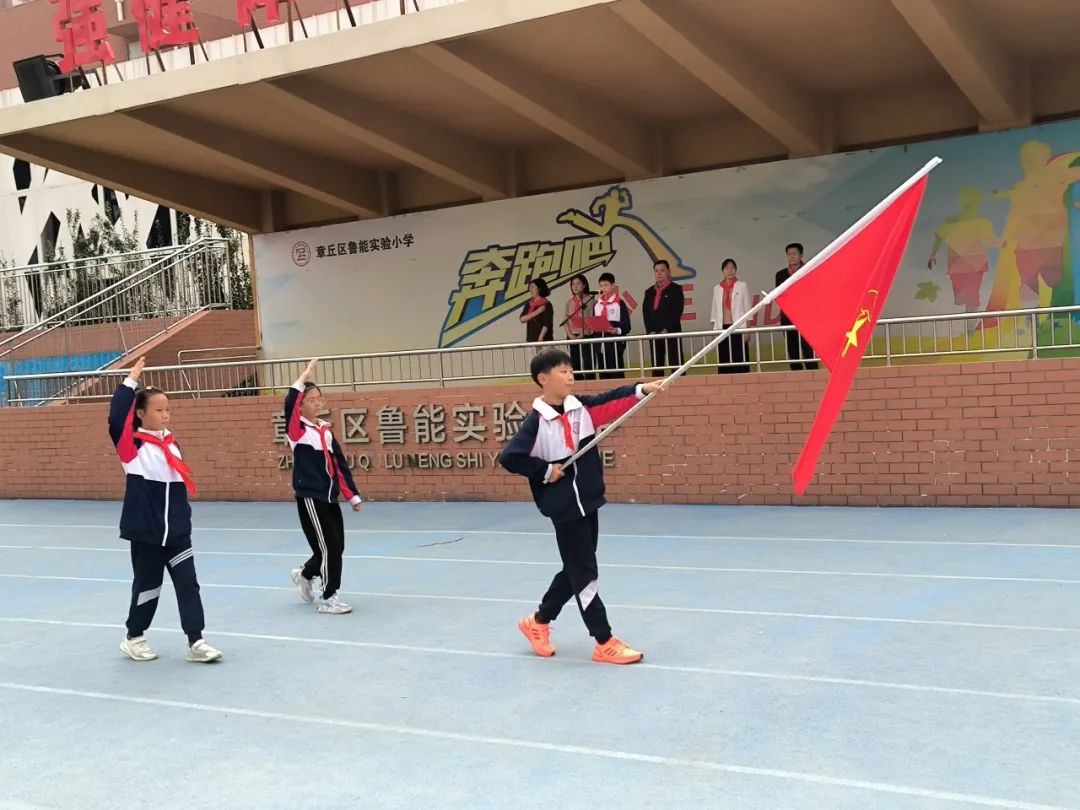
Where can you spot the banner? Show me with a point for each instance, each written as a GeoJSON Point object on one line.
{"type": "Point", "coordinates": [995, 231]}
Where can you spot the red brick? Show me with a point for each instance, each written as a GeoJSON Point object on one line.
{"type": "Point", "coordinates": [950, 450]}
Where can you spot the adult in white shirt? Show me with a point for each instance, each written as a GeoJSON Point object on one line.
{"type": "Point", "coordinates": [731, 300]}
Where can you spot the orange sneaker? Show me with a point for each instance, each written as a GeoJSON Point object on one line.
{"type": "Point", "coordinates": [539, 635]}
{"type": "Point", "coordinates": [616, 651]}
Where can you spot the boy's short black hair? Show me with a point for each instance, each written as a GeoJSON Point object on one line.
{"type": "Point", "coordinates": [797, 245]}
{"type": "Point", "coordinates": [547, 360]}
{"type": "Point", "coordinates": [608, 277]}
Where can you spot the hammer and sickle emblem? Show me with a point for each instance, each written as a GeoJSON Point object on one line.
{"type": "Point", "coordinates": [852, 334]}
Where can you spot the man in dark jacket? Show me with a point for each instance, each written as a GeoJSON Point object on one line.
{"type": "Point", "coordinates": [798, 350]}
{"type": "Point", "coordinates": [663, 311]}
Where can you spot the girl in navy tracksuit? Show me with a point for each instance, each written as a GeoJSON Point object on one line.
{"type": "Point", "coordinates": [320, 475]}
{"type": "Point", "coordinates": [156, 517]}
{"type": "Point", "coordinates": [558, 424]}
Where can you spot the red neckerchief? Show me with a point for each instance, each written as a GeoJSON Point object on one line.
{"type": "Point", "coordinates": [577, 320]}
{"type": "Point", "coordinates": [606, 302]}
{"type": "Point", "coordinates": [659, 292]}
{"type": "Point", "coordinates": [536, 304]}
{"type": "Point", "coordinates": [568, 432]}
{"type": "Point", "coordinates": [326, 438]}
{"type": "Point", "coordinates": [175, 462]}
{"type": "Point", "coordinates": [728, 284]}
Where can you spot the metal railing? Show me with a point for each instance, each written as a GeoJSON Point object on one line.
{"type": "Point", "coordinates": [1051, 332]}
{"type": "Point", "coordinates": [33, 292]}
{"type": "Point", "coordinates": [124, 315]}
{"type": "Point", "coordinates": [227, 353]}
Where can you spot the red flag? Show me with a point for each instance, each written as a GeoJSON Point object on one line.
{"type": "Point", "coordinates": [836, 305]}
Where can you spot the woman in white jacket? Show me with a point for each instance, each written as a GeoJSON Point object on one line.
{"type": "Point", "coordinates": [731, 300]}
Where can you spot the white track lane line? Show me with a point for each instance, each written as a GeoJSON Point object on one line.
{"type": "Point", "coordinates": [633, 566]}
{"type": "Point", "coordinates": [723, 673]}
{"type": "Point", "coordinates": [660, 608]}
{"type": "Point", "coordinates": [534, 745]}
{"type": "Point", "coordinates": [621, 535]}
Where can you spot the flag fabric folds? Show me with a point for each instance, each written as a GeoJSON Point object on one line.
{"type": "Point", "coordinates": [836, 303]}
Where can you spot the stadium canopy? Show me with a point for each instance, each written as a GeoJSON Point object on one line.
{"type": "Point", "coordinates": [489, 99]}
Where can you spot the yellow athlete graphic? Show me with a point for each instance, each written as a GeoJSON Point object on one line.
{"type": "Point", "coordinates": [610, 211]}
{"type": "Point", "coordinates": [493, 281]}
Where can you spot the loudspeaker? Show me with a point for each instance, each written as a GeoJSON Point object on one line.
{"type": "Point", "coordinates": [35, 76]}
{"type": "Point", "coordinates": [40, 77]}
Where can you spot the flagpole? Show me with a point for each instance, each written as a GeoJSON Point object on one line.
{"type": "Point", "coordinates": [801, 273]}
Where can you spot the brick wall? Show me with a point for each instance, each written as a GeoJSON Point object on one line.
{"type": "Point", "coordinates": [94, 339]}
{"type": "Point", "coordinates": [982, 434]}
{"type": "Point", "coordinates": [207, 330]}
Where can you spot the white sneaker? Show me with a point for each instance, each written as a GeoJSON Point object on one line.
{"type": "Point", "coordinates": [137, 649]}
{"type": "Point", "coordinates": [303, 585]}
{"type": "Point", "coordinates": [202, 653]}
{"type": "Point", "coordinates": [334, 605]}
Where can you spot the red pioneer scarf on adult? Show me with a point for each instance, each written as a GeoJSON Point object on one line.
{"type": "Point", "coordinates": [728, 284]}
{"type": "Point", "coordinates": [659, 292]}
{"type": "Point", "coordinates": [577, 320]}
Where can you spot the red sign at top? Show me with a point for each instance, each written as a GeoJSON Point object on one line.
{"type": "Point", "coordinates": [164, 23]}
{"type": "Point", "coordinates": [79, 25]}
{"type": "Point", "coordinates": [245, 9]}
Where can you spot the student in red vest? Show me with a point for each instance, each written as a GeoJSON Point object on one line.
{"type": "Point", "coordinates": [663, 311]}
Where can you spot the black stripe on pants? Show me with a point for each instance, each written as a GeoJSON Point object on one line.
{"type": "Point", "coordinates": [324, 529]}
{"type": "Point", "coordinates": [148, 563]}
{"type": "Point", "coordinates": [578, 577]}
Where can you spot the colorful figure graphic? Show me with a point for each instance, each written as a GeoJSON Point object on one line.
{"type": "Point", "coordinates": [1034, 234]}
{"type": "Point", "coordinates": [968, 237]}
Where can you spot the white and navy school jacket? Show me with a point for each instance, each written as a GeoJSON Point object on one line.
{"type": "Point", "coordinates": [156, 508]}
{"type": "Point", "coordinates": [617, 313]}
{"type": "Point", "coordinates": [320, 469]}
{"type": "Point", "coordinates": [548, 437]}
